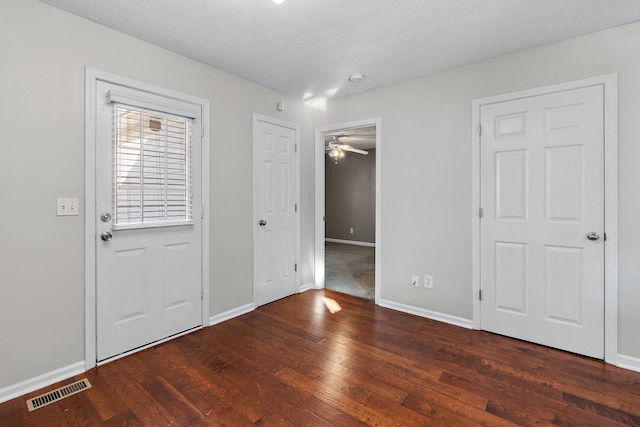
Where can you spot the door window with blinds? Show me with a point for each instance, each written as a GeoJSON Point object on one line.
{"type": "Point", "coordinates": [152, 168]}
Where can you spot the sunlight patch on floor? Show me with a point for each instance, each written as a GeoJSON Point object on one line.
{"type": "Point", "coordinates": [331, 304]}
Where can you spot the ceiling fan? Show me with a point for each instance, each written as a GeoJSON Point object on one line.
{"type": "Point", "coordinates": [336, 149]}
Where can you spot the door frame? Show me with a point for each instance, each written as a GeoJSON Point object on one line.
{"type": "Point", "coordinates": [92, 77]}
{"type": "Point", "coordinates": [609, 82]}
{"type": "Point", "coordinates": [320, 198]}
{"type": "Point", "coordinates": [260, 118]}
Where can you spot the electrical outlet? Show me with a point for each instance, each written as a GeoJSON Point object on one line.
{"type": "Point", "coordinates": [351, 231]}
{"type": "Point", "coordinates": [67, 206]}
{"type": "Point", "coordinates": [415, 281]}
{"type": "Point", "coordinates": [428, 281]}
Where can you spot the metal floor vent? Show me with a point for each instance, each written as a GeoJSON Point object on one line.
{"type": "Point", "coordinates": [58, 394]}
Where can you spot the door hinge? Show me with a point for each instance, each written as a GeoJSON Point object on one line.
{"type": "Point", "coordinates": [296, 207]}
{"type": "Point", "coordinates": [605, 237]}
{"type": "Point", "coordinates": [480, 294]}
{"type": "Point", "coordinates": [480, 212]}
{"type": "Point", "coordinates": [295, 147]}
{"type": "Point", "coordinates": [201, 211]}
{"type": "Point", "coordinates": [295, 267]}
{"type": "Point", "coordinates": [202, 131]}
{"type": "Point", "coordinates": [479, 130]}
{"type": "Point", "coordinates": [201, 293]}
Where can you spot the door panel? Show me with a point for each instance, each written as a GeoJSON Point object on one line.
{"type": "Point", "coordinates": [148, 279]}
{"type": "Point", "coordinates": [542, 189]}
{"type": "Point", "coordinates": [563, 284]}
{"type": "Point", "coordinates": [275, 163]}
{"type": "Point", "coordinates": [564, 192]}
{"type": "Point", "coordinates": [131, 284]}
{"type": "Point", "coordinates": [176, 261]}
{"type": "Point", "coordinates": [511, 277]}
{"type": "Point", "coordinates": [511, 185]}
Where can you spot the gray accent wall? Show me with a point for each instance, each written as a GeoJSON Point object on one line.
{"type": "Point", "coordinates": [350, 197]}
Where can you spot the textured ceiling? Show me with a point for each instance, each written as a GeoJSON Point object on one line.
{"type": "Point", "coordinates": [308, 48]}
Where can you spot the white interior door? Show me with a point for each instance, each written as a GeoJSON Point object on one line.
{"type": "Point", "coordinates": [275, 164]}
{"type": "Point", "coordinates": [542, 191]}
{"type": "Point", "coordinates": [148, 225]}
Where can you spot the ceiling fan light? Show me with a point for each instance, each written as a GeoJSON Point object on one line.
{"type": "Point", "coordinates": [336, 154]}
{"type": "Point", "coordinates": [356, 78]}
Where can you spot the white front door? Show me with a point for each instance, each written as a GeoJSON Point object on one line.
{"type": "Point", "coordinates": [542, 191]}
{"type": "Point", "coordinates": [275, 166]}
{"type": "Point", "coordinates": [148, 224]}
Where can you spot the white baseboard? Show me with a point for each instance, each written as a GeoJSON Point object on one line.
{"type": "Point", "coordinates": [307, 287]}
{"type": "Point", "coordinates": [628, 362]}
{"type": "Point", "coordinates": [230, 314]}
{"type": "Point", "coordinates": [350, 242]}
{"type": "Point", "coordinates": [44, 380]}
{"type": "Point", "coordinates": [433, 315]}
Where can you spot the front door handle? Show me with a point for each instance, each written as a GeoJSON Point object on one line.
{"type": "Point", "coordinates": [106, 236]}
{"type": "Point", "coordinates": [262, 223]}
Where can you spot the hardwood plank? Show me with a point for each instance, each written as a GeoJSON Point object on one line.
{"type": "Point", "coordinates": [130, 391]}
{"type": "Point", "coordinates": [12, 413]}
{"type": "Point", "coordinates": [602, 410]}
{"type": "Point", "coordinates": [293, 363]}
{"type": "Point", "coordinates": [103, 396]}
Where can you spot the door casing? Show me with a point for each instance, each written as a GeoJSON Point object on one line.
{"type": "Point", "coordinates": [320, 199]}
{"type": "Point", "coordinates": [260, 118]}
{"type": "Point", "coordinates": [610, 86]}
{"type": "Point", "coordinates": [92, 77]}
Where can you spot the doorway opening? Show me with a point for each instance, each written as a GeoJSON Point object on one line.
{"type": "Point", "coordinates": [347, 203]}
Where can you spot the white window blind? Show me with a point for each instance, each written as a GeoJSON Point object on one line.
{"type": "Point", "coordinates": [152, 169]}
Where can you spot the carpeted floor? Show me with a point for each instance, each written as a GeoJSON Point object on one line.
{"type": "Point", "coordinates": [350, 269]}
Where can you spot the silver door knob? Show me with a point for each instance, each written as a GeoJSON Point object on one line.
{"type": "Point", "coordinates": [106, 236]}
{"type": "Point", "coordinates": [262, 223]}
{"type": "Point", "coordinates": [593, 235]}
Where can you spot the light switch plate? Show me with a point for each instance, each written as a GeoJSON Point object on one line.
{"type": "Point", "coordinates": [428, 281]}
{"type": "Point", "coordinates": [67, 206]}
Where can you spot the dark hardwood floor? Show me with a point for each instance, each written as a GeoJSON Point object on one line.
{"type": "Point", "coordinates": [294, 363]}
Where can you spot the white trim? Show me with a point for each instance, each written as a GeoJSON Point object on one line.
{"type": "Point", "coordinates": [296, 129]}
{"type": "Point", "coordinates": [91, 80]}
{"type": "Point", "coordinates": [90, 124]}
{"type": "Point", "coordinates": [610, 85]}
{"type": "Point", "coordinates": [230, 314]}
{"type": "Point", "coordinates": [433, 315]}
{"type": "Point", "coordinates": [628, 362]}
{"type": "Point", "coordinates": [319, 198]}
{"type": "Point", "coordinates": [306, 287]}
{"type": "Point", "coordinates": [350, 242]}
{"type": "Point", "coordinates": [44, 380]}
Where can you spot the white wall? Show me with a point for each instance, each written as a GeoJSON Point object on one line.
{"type": "Point", "coordinates": [426, 166]}
{"type": "Point", "coordinates": [43, 55]}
